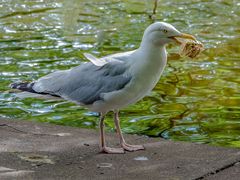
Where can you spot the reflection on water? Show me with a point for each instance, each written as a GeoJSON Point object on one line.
{"type": "Point", "coordinates": [195, 100]}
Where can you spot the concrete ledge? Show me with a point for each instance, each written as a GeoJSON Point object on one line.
{"type": "Point", "coordinates": [30, 150]}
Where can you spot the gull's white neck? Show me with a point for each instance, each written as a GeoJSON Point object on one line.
{"type": "Point", "coordinates": [146, 66]}
{"type": "Point", "coordinates": [150, 58]}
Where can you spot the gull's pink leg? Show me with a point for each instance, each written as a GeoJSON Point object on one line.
{"type": "Point", "coordinates": [124, 145]}
{"type": "Point", "coordinates": [103, 147]}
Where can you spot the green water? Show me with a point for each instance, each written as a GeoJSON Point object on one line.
{"type": "Point", "coordinates": [195, 100]}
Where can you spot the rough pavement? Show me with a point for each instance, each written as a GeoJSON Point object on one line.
{"type": "Point", "coordinates": [30, 150]}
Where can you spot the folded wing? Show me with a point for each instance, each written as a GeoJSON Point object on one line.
{"type": "Point", "coordinates": [85, 83]}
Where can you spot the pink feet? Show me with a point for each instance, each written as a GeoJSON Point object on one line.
{"type": "Point", "coordinates": [129, 147]}
{"type": "Point", "coordinates": [109, 150]}
{"type": "Point", "coordinates": [125, 146]}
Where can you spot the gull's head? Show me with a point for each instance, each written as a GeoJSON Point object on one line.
{"type": "Point", "coordinates": [161, 33]}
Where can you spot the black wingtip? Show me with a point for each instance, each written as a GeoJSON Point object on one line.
{"type": "Point", "coordinates": [23, 86]}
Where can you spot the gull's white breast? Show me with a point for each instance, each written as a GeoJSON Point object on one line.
{"type": "Point", "coordinates": [145, 75]}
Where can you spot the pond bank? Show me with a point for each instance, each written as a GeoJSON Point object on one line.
{"type": "Point", "coordinates": [31, 150]}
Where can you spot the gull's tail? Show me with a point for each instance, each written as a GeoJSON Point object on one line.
{"type": "Point", "coordinates": [27, 87]}
{"type": "Point", "coordinates": [23, 86]}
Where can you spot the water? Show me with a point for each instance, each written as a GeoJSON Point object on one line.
{"type": "Point", "coordinates": [195, 100]}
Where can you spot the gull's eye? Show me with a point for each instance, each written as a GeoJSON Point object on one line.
{"type": "Point", "coordinates": [165, 31]}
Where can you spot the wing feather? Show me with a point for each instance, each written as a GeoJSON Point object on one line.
{"type": "Point", "coordinates": [85, 83]}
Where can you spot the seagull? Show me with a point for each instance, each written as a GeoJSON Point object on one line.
{"type": "Point", "coordinates": [112, 82]}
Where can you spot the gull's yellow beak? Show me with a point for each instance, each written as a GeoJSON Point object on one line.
{"type": "Point", "coordinates": [187, 36]}
{"type": "Point", "coordinates": [184, 36]}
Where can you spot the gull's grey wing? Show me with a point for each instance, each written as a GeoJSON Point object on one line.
{"type": "Point", "coordinates": [85, 83]}
{"type": "Point", "coordinates": [110, 58]}
{"type": "Point", "coordinates": [96, 61]}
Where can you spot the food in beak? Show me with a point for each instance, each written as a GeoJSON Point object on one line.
{"type": "Point", "coordinates": [191, 48]}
